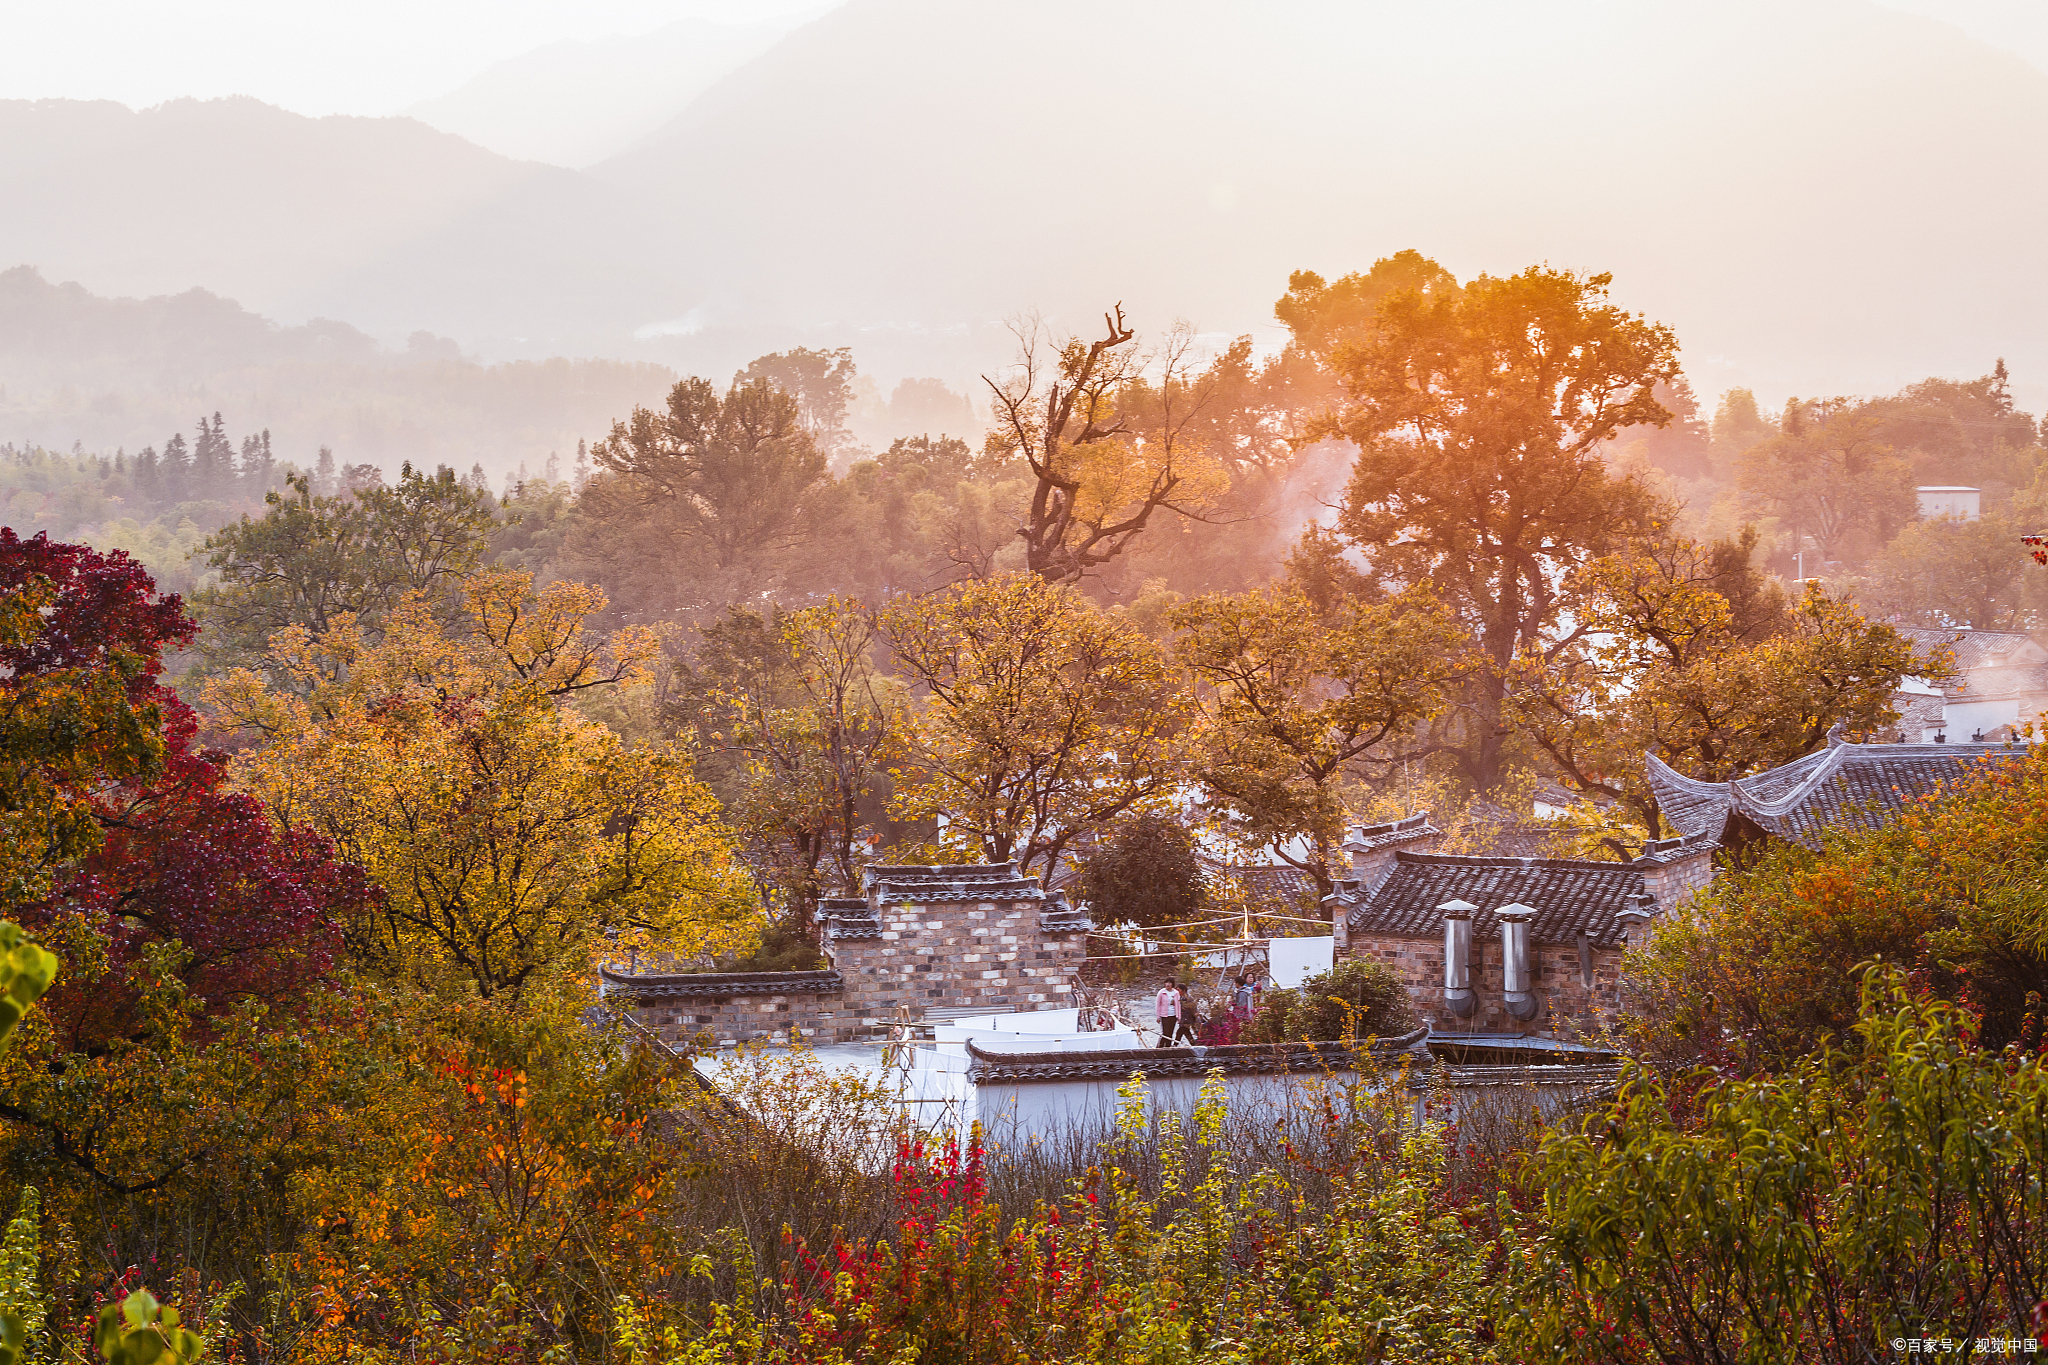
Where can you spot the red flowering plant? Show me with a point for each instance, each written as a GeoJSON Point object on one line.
{"type": "Point", "coordinates": [951, 1282]}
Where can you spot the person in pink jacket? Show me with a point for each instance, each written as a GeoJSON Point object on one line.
{"type": "Point", "coordinates": [1168, 1008]}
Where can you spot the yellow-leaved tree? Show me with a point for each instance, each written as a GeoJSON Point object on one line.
{"type": "Point", "coordinates": [512, 837]}
{"type": "Point", "coordinates": [1044, 720]}
{"type": "Point", "coordinates": [1293, 700]}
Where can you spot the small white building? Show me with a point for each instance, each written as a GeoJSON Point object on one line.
{"type": "Point", "coordinates": [2002, 685]}
{"type": "Point", "coordinates": [1949, 500]}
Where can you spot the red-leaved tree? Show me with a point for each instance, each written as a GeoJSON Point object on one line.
{"type": "Point", "coordinates": [180, 858]}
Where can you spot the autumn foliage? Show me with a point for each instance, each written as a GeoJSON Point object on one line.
{"type": "Point", "coordinates": [327, 1067]}
{"type": "Point", "coordinates": [80, 639]}
{"type": "Point", "coordinates": [509, 836]}
{"type": "Point", "coordinates": [170, 855]}
{"type": "Point", "coordinates": [1765, 967]}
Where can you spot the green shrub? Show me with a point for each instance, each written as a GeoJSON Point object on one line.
{"type": "Point", "coordinates": [782, 949]}
{"type": "Point", "coordinates": [1867, 1197]}
{"type": "Point", "coordinates": [1360, 999]}
{"type": "Point", "coordinates": [1270, 1024]}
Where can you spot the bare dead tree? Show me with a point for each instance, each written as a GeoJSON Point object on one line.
{"type": "Point", "coordinates": [1057, 401]}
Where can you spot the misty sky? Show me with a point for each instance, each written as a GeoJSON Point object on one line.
{"type": "Point", "coordinates": [1736, 105]}
{"type": "Point", "coordinates": [310, 56]}
{"type": "Point", "coordinates": [379, 56]}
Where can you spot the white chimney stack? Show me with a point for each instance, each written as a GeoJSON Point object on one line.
{"type": "Point", "coordinates": [1459, 999]}
{"type": "Point", "coordinates": [1514, 955]}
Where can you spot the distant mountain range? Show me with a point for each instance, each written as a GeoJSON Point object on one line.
{"type": "Point", "coordinates": [574, 103]}
{"type": "Point", "coordinates": [384, 222]}
{"type": "Point", "coordinates": [1820, 195]}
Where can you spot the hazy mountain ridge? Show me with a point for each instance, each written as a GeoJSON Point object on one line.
{"type": "Point", "coordinates": [1778, 181]}
{"type": "Point", "coordinates": [1822, 196]}
{"type": "Point", "coordinates": [388, 222]}
{"type": "Point", "coordinates": [53, 335]}
{"type": "Point", "coordinates": [107, 373]}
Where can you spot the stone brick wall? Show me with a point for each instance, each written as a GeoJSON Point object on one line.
{"type": "Point", "coordinates": [1372, 847]}
{"type": "Point", "coordinates": [1020, 951]}
{"type": "Point", "coordinates": [960, 955]}
{"type": "Point", "coordinates": [742, 1018]}
{"type": "Point", "coordinates": [738, 1006]}
{"type": "Point", "coordinates": [1920, 716]}
{"type": "Point", "coordinates": [1568, 1009]}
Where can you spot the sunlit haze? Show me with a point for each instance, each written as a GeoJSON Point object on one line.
{"type": "Point", "coordinates": [370, 58]}
{"type": "Point", "coordinates": [979, 681]}
{"type": "Point", "coordinates": [1820, 196]}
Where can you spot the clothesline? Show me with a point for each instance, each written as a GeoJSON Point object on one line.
{"type": "Point", "coordinates": [1232, 919]}
{"type": "Point", "coordinates": [1193, 923]}
{"type": "Point", "coordinates": [1195, 951]}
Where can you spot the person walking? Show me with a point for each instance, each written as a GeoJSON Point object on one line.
{"type": "Point", "coordinates": [1167, 1007]}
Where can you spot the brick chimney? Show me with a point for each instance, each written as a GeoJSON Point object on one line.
{"type": "Point", "coordinates": [1372, 847]}
{"type": "Point", "coordinates": [1675, 868]}
{"type": "Point", "coordinates": [1339, 906]}
{"type": "Point", "coordinates": [1632, 921]}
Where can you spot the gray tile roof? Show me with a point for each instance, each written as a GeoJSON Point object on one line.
{"type": "Point", "coordinates": [1975, 649]}
{"type": "Point", "coordinates": [1060, 916]}
{"type": "Point", "coordinates": [1278, 890]}
{"type": "Point", "coordinates": [955, 882]}
{"type": "Point", "coordinates": [666, 985]}
{"type": "Point", "coordinates": [2024, 679]}
{"type": "Point", "coordinates": [1567, 894]}
{"type": "Point", "coordinates": [1686, 803]}
{"type": "Point", "coordinates": [1671, 850]}
{"type": "Point", "coordinates": [1859, 784]}
{"type": "Point", "coordinates": [986, 1068]}
{"type": "Point", "coordinates": [848, 917]}
{"type": "Point", "coordinates": [1406, 830]}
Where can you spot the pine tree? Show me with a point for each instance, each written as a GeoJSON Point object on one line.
{"type": "Point", "coordinates": [213, 459]}
{"type": "Point", "coordinates": [204, 465]}
{"type": "Point", "coordinates": [259, 465]}
{"type": "Point", "coordinates": [323, 474]}
{"type": "Point", "coordinates": [174, 470]}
